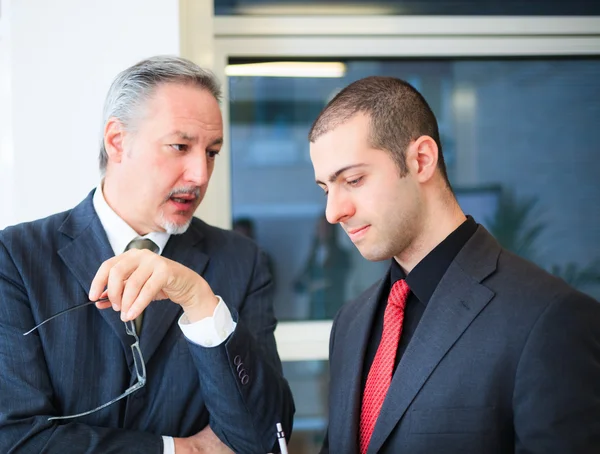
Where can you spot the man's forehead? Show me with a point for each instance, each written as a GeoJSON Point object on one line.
{"type": "Point", "coordinates": [183, 99]}
{"type": "Point", "coordinates": [192, 135]}
{"type": "Point", "coordinates": [349, 135]}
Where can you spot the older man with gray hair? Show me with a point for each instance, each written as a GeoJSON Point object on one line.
{"type": "Point", "coordinates": [146, 329]}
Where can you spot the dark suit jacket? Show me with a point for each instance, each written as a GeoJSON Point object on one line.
{"type": "Point", "coordinates": [83, 359]}
{"type": "Point", "coordinates": [506, 359]}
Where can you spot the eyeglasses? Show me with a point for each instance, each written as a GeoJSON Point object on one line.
{"type": "Point", "coordinates": [138, 360]}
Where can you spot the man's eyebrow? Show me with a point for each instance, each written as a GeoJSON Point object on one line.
{"type": "Point", "coordinates": [184, 136]}
{"type": "Point", "coordinates": [334, 176]}
{"type": "Point", "coordinates": [189, 138]}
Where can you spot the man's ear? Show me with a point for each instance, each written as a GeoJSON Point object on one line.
{"type": "Point", "coordinates": [423, 154]}
{"type": "Point", "coordinates": [114, 135]}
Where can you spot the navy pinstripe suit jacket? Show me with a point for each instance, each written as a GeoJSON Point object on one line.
{"type": "Point", "coordinates": [83, 359]}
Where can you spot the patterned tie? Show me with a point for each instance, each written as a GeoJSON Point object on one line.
{"type": "Point", "coordinates": [380, 374]}
{"type": "Point", "coordinates": [141, 243]}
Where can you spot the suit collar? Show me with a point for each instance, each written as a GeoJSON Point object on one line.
{"type": "Point", "coordinates": [427, 274]}
{"type": "Point", "coordinates": [90, 247]}
{"type": "Point", "coordinates": [455, 303]}
{"type": "Point", "coordinates": [479, 257]}
{"type": "Point", "coordinates": [81, 218]}
{"type": "Point", "coordinates": [119, 233]}
{"type": "Point", "coordinates": [83, 256]}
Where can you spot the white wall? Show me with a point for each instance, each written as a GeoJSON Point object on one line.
{"type": "Point", "coordinates": [56, 63]}
{"type": "Point", "coordinates": [6, 155]}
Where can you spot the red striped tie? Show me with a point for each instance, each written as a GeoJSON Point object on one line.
{"type": "Point", "coordinates": [380, 374]}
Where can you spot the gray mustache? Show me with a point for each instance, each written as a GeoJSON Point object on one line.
{"type": "Point", "coordinates": [195, 191]}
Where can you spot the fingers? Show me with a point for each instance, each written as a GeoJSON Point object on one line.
{"type": "Point", "coordinates": [137, 281]}
{"type": "Point", "coordinates": [101, 279]}
{"type": "Point", "coordinates": [103, 304]}
{"type": "Point", "coordinates": [117, 278]}
{"type": "Point", "coordinates": [124, 277]}
{"type": "Point", "coordinates": [135, 278]}
{"type": "Point", "coordinates": [151, 290]}
{"type": "Point", "coordinates": [207, 441]}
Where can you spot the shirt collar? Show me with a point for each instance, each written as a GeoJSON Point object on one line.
{"type": "Point", "coordinates": [427, 274]}
{"type": "Point", "coordinates": [119, 233]}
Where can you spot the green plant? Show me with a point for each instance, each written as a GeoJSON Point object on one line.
{"type": "Point", "coordinates": [517, 226]}
{"type": "Point", "coordinates": [577, 275]}
{"type": "Point", "coordinates": [514, 227]}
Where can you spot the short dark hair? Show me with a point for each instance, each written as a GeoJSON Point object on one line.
{"type": "Point", "coordinates": [398, 115]}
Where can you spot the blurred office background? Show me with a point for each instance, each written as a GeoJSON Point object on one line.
{"type": "Point", "coordinates": [515, 86]}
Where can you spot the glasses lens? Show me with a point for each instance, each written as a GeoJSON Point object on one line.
{"type": "Point", "coordinates": [140, 369]}
{"type": "Point", "coordinates": [138, 361]}
{"type": "Point", "coordinates": [130, 328]}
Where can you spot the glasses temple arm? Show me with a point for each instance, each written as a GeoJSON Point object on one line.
{"type": "Point", "coordinates": [64, 312]}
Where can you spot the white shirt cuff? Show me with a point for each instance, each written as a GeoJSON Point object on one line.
{"type": "Point", "coordinates": [210, 331]}
{"type": "Point", "coordinates": [169, 445]}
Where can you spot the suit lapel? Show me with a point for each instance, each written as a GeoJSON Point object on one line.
{"type": "Point", "coordinates": [84, 255]}
{"type": "Point", "coordinates": [89, 248]}
{"type": "Point", "coordinates": [347, 396]}
{"type": "Point", "coordinates": [457, 300]}
{"type": "Point", "coordinates": [160, 316]}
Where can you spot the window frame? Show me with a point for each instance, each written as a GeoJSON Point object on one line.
{"type": "Point", "coordinates": [376, 37]}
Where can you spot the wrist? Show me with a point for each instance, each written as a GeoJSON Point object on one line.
{"type": "Point", "coordinates": [180, 446]}
{"type": "Point", "coordinates": [202, 305]}
{"type": "Point", "coordinates": [185, 446]}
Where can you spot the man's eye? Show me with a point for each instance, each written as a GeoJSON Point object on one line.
{"type": "Point", "coordinates": [355, 181]}
{"type": "Point", "coordinates": [212, 153]}
{"type": "Point", "coordinates": [179, 146]}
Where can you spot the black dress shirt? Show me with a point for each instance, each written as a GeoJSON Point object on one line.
{"type": "Point", "coordinates": [422, 280]}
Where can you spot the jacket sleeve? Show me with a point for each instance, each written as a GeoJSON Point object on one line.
{"type": "Point", "coordinates": [557, 385]}
{"type": "Point", "coordinates": [26, 392]}
{"type": "Point", "coordinates": [242, 379]}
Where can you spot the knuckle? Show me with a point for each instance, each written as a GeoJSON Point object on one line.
{"type": "Point", "coordinates": [162, 267]}
{"type": "Point", "coordinates": [135, 281]}
{"type": "Point", "coordinates": [116, 268]}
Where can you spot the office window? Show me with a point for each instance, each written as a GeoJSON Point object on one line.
{"type": "Point", "coordinates": [520, 139]}
{"type": "Point", "coordinates": [409, 7]}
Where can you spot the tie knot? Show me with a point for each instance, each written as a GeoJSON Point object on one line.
{"type": "Point", "coordinates": [143, 243]}
{"type": "Point", "coordinates": [399, 293]}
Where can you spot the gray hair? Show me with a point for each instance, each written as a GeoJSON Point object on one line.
{"type": "Point", "coordinates": [134, 86]}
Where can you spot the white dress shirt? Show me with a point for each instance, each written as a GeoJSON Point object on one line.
{"type": "Point", "coordinates": [208, 332]}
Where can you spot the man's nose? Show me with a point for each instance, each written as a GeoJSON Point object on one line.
{"type": "Point", "coordinates": [339, 207]}
{"type": "Point", "coordinates": [196, 171]}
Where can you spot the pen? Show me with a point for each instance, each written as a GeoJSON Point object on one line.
{"type": "Point", "coordinates": [281, 439]}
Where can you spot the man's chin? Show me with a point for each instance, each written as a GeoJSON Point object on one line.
{"type": "Point", "coordinates": [176, 228]}
{"type": "Point", "coordinates": [373, 254]}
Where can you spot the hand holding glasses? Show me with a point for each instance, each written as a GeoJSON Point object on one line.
{"type": "Point", "coordinates": [156, 278]}
{"type": "Point", "coordinates": [138, 359]}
